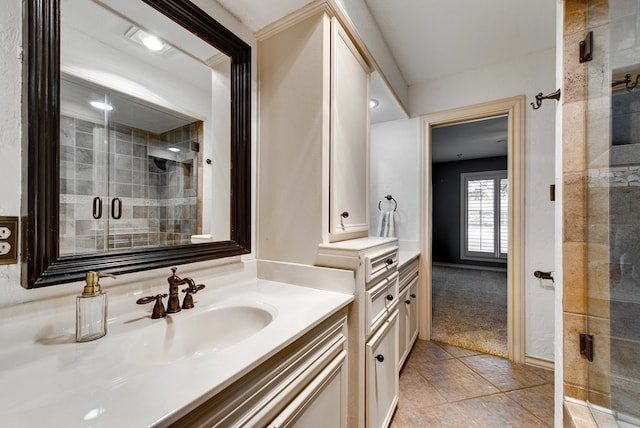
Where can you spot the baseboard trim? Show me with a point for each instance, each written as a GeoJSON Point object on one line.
{"type": "Point", "coordinates": [542, 363]}
{"type": "Point", "coordinates": [461, 266]}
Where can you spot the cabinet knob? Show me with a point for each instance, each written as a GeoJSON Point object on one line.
{"type": "Point", "coordinates": [389, 261]}
{"type": "Point", "coordinates": [413, 296]}
{"type": "Point", "coordinates": [389, 297]}
{"type": "Point", "coordinates": [380, 357]}
{"type": "Point", "coordinates": [408, 302]}
{"type": "Point", "coordinates": [344, 214]}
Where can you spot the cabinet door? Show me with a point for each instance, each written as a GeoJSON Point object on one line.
{"type": "Point", "coordinates": [412, 333]}
{"type": "Point", "coordinates": [349, 169]}
{"type": "Point", "coordinates": [322, 404]}
{"type": "Point", "coordinates": [382, 374]}
{"type": "Point", "coordinates": [404, 309]}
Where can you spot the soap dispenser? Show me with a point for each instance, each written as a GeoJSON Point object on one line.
{"type": "Point", "coordinates": [91, 309]}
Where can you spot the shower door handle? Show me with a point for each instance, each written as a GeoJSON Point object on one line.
{"type": "Point", "coordinates": [116, 213]}
{"type": "Point", "coordinates": [97, 207]}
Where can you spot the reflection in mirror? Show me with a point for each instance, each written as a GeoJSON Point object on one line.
{"type": "Point", "coordinates": [139, 138]}
{"type": "Point", "coordinates": [129, 163]}
{"type": "Point", "coordinates": [128, 172]}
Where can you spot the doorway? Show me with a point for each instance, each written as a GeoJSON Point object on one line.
{"type": "Point", "coordinates": [470, 234]}
{"type": "Point", "coordinates": [513, 110]}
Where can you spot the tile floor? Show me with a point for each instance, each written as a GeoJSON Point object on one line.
{"type": "Point", "coordinates": [447, 386]}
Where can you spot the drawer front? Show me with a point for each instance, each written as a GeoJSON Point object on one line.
{"type": "Point", "coordinates": [407, 273]}
{"type": "Point", "coordinates": [380, 264]}
{"type": "Point", "coordinates": [379, 300]}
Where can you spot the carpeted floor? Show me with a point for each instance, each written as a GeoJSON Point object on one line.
{"type": "Point", "coordinates": [470, 309]}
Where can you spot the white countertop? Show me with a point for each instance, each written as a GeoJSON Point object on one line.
{"type": "Point", "coordinates": [47, 379]}
{"type": "Point", "coordinates": [405, 256]}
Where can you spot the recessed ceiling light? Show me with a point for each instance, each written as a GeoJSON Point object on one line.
{"type": "Point", "coordinates": [152, 43]}
{"type": "Point", "coordinates": [147, 40]}
{"type": "Point", "coordinates": [101, 105]}
{"type": "Point", "coordinates": [373, 103]}
{"type": "Point", "coordinates": [174, 149]}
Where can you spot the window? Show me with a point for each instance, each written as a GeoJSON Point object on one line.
{"type": "Point", "coordinates": [485, 216]}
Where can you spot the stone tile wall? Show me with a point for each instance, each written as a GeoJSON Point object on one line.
{"type": "Point", "coordinates": [158, 194]}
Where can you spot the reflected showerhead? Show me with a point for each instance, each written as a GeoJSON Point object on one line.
{"type": "Point", "coordinates": [160, 163]}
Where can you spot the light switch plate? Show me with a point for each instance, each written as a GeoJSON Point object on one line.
{"type": "Point", "coordinates": [8, 240]}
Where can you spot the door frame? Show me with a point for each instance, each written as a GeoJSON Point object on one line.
{"type": "Point", "coordinates": [513, 108]}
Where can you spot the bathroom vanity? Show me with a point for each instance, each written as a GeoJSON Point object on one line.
{"type": "Point", "coordinates": [373, 326]}
{"type": "Point", "coordinates": [252, 352]}
{"type": "Point", "coordinates": [408, 269]}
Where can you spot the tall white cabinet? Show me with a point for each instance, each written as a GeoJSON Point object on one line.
{"type": "Point", "coordinates": [373, 325]}
{"type": "Point", "coordinates": [313, 137]}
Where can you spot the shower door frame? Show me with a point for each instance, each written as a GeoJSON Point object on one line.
{"type": "Point", "coordinates": [513, 108]}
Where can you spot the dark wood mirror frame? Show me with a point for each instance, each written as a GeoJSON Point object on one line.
{"type": "Point", "coordinates": [42, 264]}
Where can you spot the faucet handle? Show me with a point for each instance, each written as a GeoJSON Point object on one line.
{"type": "Point", "coordinates": [187, 302]}
{"type": "Point", "coordinates": [158, 308]}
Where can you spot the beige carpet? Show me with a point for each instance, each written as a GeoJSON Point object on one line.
{"type": "Point", "coordinates": [470, 309]}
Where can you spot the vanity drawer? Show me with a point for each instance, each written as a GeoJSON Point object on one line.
{"type": "Point", "coordinates": [379, 301]}
{"type": "Point", "coordinates": [408, 272]}
{"type": "Point", "coordinates": [380, 263]}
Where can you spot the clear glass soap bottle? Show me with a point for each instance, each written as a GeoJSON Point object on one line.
{"type": "Point", "coordinates": [91, 309]}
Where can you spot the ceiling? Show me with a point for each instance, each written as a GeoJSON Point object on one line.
{"type": "Point", "coordinates": [470, 140]}
{"type": "Point", "coordinates": [432, 39]}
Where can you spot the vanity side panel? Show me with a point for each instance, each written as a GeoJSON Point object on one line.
{"type": "Point", "coordinates": [294, 141]}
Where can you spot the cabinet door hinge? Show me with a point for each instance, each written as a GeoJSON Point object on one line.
{"type": "Point", "coordinates": [586, 345]}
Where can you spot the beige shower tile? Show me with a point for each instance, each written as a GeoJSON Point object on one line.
{"type": "Point", "coordinates": [573, 137]}
{"type": "Point", "coordinates": [575, 16]}
{"type": "Point", "coordinates": [575, 391]}
{"type": "Point", "coordinates": [575, 365]}
{"type": "Point", "coordinates": [600, 367]}
{"type": "Point", "coordinates": [574, 72]}
{"type": "Point", "coordinates": [598, 12]}
{"type": "Point", "coordinates": [574, 204]}
{"type": "Point", "coordinates": [574, 269]}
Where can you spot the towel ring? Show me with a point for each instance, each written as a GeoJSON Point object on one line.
{"type": "Point", "coordinates": [389, 198]}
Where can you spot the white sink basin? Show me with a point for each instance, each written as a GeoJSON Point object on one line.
{"type": "Point", "coordinates": [189, 334]}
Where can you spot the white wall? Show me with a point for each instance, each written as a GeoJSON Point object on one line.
{"type": "Point", "coordinates": [527, 75]}
{"type": "Point", "coordinates": [395, 171]}
{"type": "Point", "coordinates": [13, 130]}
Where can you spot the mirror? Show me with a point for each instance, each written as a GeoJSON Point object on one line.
{"type": "Point", "coordinates": [137, 158]}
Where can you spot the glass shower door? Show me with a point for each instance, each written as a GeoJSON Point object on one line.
{"type": "Point", "coordinates": [613, 208]}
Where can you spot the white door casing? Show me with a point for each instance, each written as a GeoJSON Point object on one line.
{"type": "Point", "coordinates": [514, 109]}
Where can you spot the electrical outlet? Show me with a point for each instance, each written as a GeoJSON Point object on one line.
{"type": "Point", "coordinates": [5, 232]}
{"type": "Point", "coordinates": [5, 248]}
{"type": "Point", "coordinates": [8, 240]}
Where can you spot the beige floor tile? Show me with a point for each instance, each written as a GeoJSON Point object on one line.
{"type": "Point", "coordinates": [442, 416]}
{"type": "Point", "coordinates": [504, 374]}
{"type": "Point", "coordinates": [454, 380]}
{"type": "Point", "coordinates": [424, 352]}
{"type": "Point", "coordinates": [445, 386]}
{"type": "Point", "coordinates": [416, 391]}
{"type": "Point", "coordinates": [456, 351]}
{"type": "Point", "coordinates": [538, 400]}
{"type": "Point", "coordinates": [497, 411]}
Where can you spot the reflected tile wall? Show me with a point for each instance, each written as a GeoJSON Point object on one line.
{"type": "Point", "coordinates": [158, 206]}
